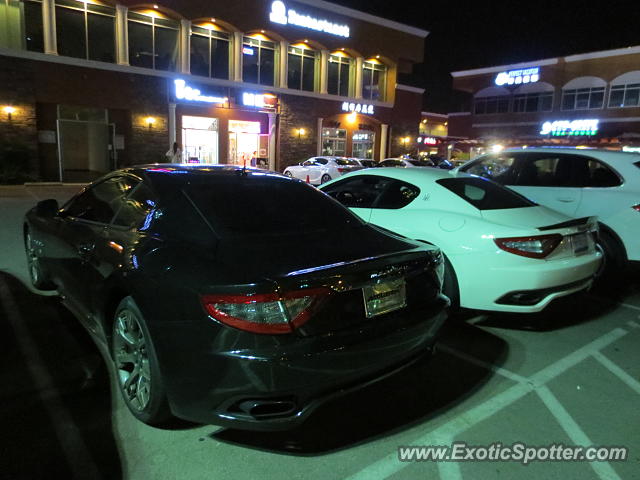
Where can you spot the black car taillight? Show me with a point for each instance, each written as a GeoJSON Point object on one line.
{"type": "Point", "coordinates": [269, 313]}
{"type": "Point", "coordinates": [533, 247]}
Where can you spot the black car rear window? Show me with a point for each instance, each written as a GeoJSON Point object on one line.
{"type": "Point", "coordinates": [266, 205]}
{"type": "Point", "coordinates": [346, 161]}
{"type": "Point", "coordinates": [485, 194]}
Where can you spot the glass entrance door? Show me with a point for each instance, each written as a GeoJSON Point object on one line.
{"type": "Point", "coordinates": [244, 142]}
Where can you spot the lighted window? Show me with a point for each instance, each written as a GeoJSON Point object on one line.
{"type": "Point", "coordinates": [301, 68]}
{"type": "Point", "coordinates": [494, 104]}
{"type": "Point", "coordinates": [334, 141]}
{"type": "Point", "coordinates": [533, 102]}
{"type": "Point", "coordinates": [258, 61]}
{"type": "Point", "coordinates": [11, 35]}
{"type": "Point", "coordinates": [374, 81]}
{"type": "Point", "coordinates": [33, 29]}
{"type": "Point", "coordinates": [85, 30]}
{"type": "Point", "coordinates": [363, 144]}
{"type": "Point", "coordinates": [209, 52]}
{"type": "Point", "coordinates": [339, 78]}
{"type": "Point", "coordinates": [625, 95]}
{"type": "Point", "coordinates": [153, 41]}
{"type": "Point", "coordinates": [583, 98]}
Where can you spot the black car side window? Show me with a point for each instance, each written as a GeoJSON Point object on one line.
{"type": "Point", "coordinates": [358, 192]}
{"type": "Point", "coordinates": [397, 195]}
{"type": "Point", "coordinates": [592, 173]}
{"type": "Point", "coordinates": [99, 203]}
{"type": "Point", "coordinates": [136, 208]}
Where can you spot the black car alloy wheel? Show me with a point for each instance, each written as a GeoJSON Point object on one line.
{"type": "Point", "coordinates": [136, 365]}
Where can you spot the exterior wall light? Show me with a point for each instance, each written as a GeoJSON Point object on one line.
{"type": "Point", "coordinates": [9, 111]}
{"type": "Point", "coordinates": [352, 117]}
{"type": "Point", "coordinates": [150, 121]}
{"type": "Point", "coordinates": [301, 132]}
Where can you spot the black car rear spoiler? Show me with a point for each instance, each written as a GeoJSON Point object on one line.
{"type": "Point", "coordinates": [571, 223]}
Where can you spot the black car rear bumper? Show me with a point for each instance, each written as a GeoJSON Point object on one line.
{"type": "Point", "coordinates": [277, 388]}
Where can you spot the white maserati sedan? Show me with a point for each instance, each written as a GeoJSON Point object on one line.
{"type": "Point", "coordinates": [318, 170]}
{"type": "Point", "coordinates": [502, 251]}
{"type": "Point", "coordinates": [577, 183]}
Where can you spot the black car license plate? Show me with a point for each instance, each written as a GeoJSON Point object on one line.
{"type": "Point", "coordinates": [384, 297]}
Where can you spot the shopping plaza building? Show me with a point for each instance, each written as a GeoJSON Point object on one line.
{"type": "Point", "coordinates": [586, 100]}
{"type": "Point", "coordinates": [89, 86]}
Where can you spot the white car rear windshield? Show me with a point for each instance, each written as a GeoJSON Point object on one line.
{"type": "Point", "coordinates": [346, 161]}
{"type": "Point", "coordinates": [485, 194]}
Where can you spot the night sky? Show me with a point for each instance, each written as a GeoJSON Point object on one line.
{"type": "Point", "coordinates": [466, 35]}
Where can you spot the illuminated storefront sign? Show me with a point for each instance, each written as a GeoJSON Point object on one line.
{"type": "Point", "coordinates": [357, 108]}
{"type": "Point", "coordinates": [565, 128]}
{"type": "Point", "coordinates": [428, 140]}
{"type": "Point", "coordinates": [517, 77]}
{"type": "Point", "coordinates": [259, 100]}
{"type": "Point", "coordinates": [185, 92]}
{"type": "Point", "coordinates": [280, 14]}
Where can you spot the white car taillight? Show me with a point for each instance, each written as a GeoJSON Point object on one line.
{"type": "Point", "coordinates": [533, 247]}
{"type": "Point", "coordinates": [269, 313]}
{"type": "Point", "coordinates": [636, 207]}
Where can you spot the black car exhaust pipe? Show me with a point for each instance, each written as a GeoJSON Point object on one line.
{"type": "Point", "coordinates": [267, 408]}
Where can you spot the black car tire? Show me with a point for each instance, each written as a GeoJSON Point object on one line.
{"type": "Point", "coordinates": [325, 178]}
{"type": "Point", "coordinates": [133, 353]}
{"type": "Point", "coordinates": [37, 274]}
{"type": "Point", "coordinates": [450, 285]}
{"type": "Point", "coordinates": [613, 256]}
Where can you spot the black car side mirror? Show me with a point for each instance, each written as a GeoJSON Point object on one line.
{"type": "Point", "coordinates": [47, 208]}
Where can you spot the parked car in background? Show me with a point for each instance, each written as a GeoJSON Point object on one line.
{"type": "Point", "coordinates": [231, 296]}
{"type": "Point", "coordinates": [319, 170]}
{"type": "Point", "coordinates": [502, 251]}
{"type": "Point", "coordinates": [404, 163]}
{"type": "Point", "coordinates": [577, 183]}
{"type": "Point", "coordinates": [367, 162]}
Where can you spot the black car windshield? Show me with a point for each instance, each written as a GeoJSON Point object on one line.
{"type": "Point", "coordinates": [420, 163]}
{"type": "Point", "coordinates": [239, 205]}
{"type": "Point", "coordinates": [346, 161]}
{"type": "Point", "coordinates": [485, 194]}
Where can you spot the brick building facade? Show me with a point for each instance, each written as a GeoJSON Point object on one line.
{"type": "Point", "coordinates": [85, 97]}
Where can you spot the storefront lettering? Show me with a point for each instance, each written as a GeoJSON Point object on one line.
{"type": "Point", "coordinates": [517, 77]}
{"type": "Point", "coordinates": [564, 128]}
{"type": "Point", "coordinates": [184, 92]}
{"type": "Point", "coordinates": [280, 14]}
{"type": "Point", "coordinates": [357, 107]}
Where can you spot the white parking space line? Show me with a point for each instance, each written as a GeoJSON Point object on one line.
{"type": "Point", "coordinates": [390, 464]}
{"type": "Point", "coordinates": [618, 372]}
{"type": "Point", "coordinates": [575, 433]}
{"type": "Point", "coordinates": [481, 363]}
{"type": "Point", "coordinates": [69, 437]}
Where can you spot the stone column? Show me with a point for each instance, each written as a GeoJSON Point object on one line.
{"type": "Point", "coordinates": [185, 46]}
{"type": "Point", "coordinates": [122, 35]}
{"type": "Point", "coordinates": [358, 87]}
{"type": "Point", "coordinates": [324, 70]}
{"type": "Point", "coordinates": [237, 56]}
{"type": "Point", "coordinates": [384, 135]}
{"type": "Point", "coordinates": [49, 27]}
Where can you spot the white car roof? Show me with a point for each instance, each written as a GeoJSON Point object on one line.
{"type": "Point", "coordinates": [410, 174]}
{"type": "Point", "coordinates": [613, 155]}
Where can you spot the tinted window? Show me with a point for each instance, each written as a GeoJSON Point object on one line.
{"type": "Point", "coordinates": [391, 163]}
{"type": "Point", "coordinates": [420, 163]}
{"type": "Point", "coordinates": [322, 161]}
{"type": "Point", "coordinates": [100, 202]}
{"type": "Point", "coordinates": [397, 195]}
{"type": "Point", "coordinates": [592, 173]}
{"type": "Point", "coordinates": [346, 161]}
{"type": "Point", "coordinates": [266, 205]}
{"type": "Point", "coordinates": [135, 208]}
{"type": "Point", "coordinates": [358, 192]}
{"type": "Point", "coordinates": [484, 194]}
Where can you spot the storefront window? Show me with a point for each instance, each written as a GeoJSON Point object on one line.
{"type": "Point", "coordinates": [301, 69]}
{"type": "Point", "coordinates": [200, 139]}
{"type": "Point", "coordinates": [209, 53]}
{"type": "Point", "coordinates": [10, 24]}
{"type": "Point", "coordinates": [339, 82]}
{"type": "Point", "coordinates": [374, 81]}
{"type": "Point", "coordinates": [153, 42]}
{"type": "Point", "coordinates": [85, 30]}
{"type": "Point", "coordinates": [363, 144]}
{"type": "Point", "coordinates": [334, 141]}
{"type": "Point", "coordinates": [33, 36]}
{"type": "Point", "coordinates": [244, 142]}
{"type": "Point", "coordinates": [258, 61]}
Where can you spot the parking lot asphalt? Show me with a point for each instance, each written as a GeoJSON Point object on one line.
{"type": "Point", "coordinates": [570, 375]}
